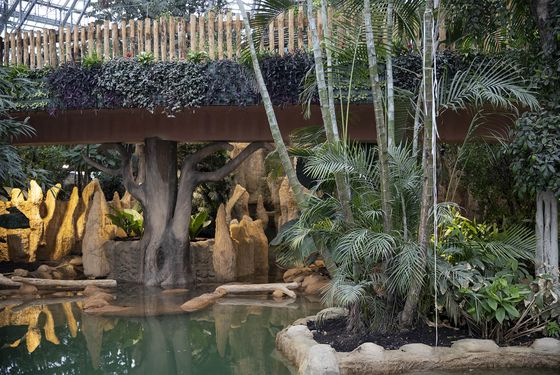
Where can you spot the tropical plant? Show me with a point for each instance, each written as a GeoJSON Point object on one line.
{"type": "Point", "coordinates": [198, 222]}
{"type": "Point", "coordinates": [129, 220]}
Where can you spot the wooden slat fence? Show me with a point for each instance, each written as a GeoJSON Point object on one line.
{"type": "Point", "coordinates": [167, 38]}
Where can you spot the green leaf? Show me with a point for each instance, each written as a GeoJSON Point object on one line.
{"type": "Point", "coordinates": [493, 304]}
{"type": "Point", "coordinates": [511, 310]}
{"type": "Point", "coordinates": [500, 315]}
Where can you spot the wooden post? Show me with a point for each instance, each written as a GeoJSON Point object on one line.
{"type": "Point", "coordinates": [61, 47]}
{"type": "Point", "coordinates": [25, 48]}
{"type": "Point", "coordinates": [38, 39]}
{"type": "Point", "coordinates": [192, 29]}
{"type": "Point", "coordinates": [156, 39]}
{"type": "Point", "coordinates": [148, 34]}
{"type": "Point", "coordinates": [52, 48]}
{"type": "Point", "coordinates": [220, 22]}
{"type": "Point", "coordinates": [132, 33]}
{"type": "Point", "coordinates": [271, 36]}
{"type": "Point", "coordinates": [83, 43]}
{"type": "Point", "coordinates": [68, 43]}
{"type": "Point", "coordinates": [106, 46]}
{"type": "Point", "coordinates": [76, 44]}
{"type": "Point", "coordinates": [32, 53]}
{"type": "Point", "coordinates": [6, 49]}
{"type": "Point", "coordinates": [124, 41]}
{"type": "Point", "coordinates": [19, 54]}
{"type": "Point", "coordinates": [300, 28]}
{"type": "Point", "coordinates": [163, 39]}
{"type": "Point", "coordinates": [201, 41]}
{"type": "Point", "coordinates": [238, 35]}
{"type": "Point", "coordinates": [98, 41]}
{"type": "Point", "coordinates": [228, 36]}
{"type": "Point", "coordinates": [115, 39]}
{"type": "Point", "coordinates": [281, 34]}
{"type": "Point", "coordinates": [291, 31]}
{"type": "Point", "coordinates": [46, 59]}
{"type": "Point", "coordinates": [211, 51]}
{"type": "Point", "coordinates": [182, 39]}
{"type": "Point", "coordinates": [140, 33]}
{"type": "Point", "coordinates": [13, 50]}
{"type": "Point", "coordinates": [91, 43]}
{"type": "Point", "coordinates": [172, 31]}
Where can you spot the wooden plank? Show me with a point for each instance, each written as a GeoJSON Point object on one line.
{"type": "Point", "coordinates": [32, 53]}
{"type": "Point", "coordinates": [124, 39]}
{"type": "Point", "coordinates": [19, 46]}
{"type": "Point", "coordinates": [76, 43]}
{"type": "Point", "coordinates": [140, 38]}
{"type": "Point", "coordinates": [13, 49]}
{"type": "Point", "coordinates": [39, 45]}
{"type": "Point", "coordinates": [26, 49]}
{"type": "Point", "coordinates": [115, 39]}
{"type": "Point", "coordinates": [291, 31]}
{"type": "Point", "coordinates": [211, 51]}
{"type": "Point", "coordinates": [172, 31]}
{"type": "Point", "coordinates": [156, 39]}
{"type": "Point", "coordinates": [163, 39]}
{"type": "Point", "coordinates": [228, 36]}
{"type": "Point", "coordinates": [148, 35]}
{"type": "Point", "coordinates": [201, 40]}
{"type": "Point", "coordinates": [220, 21]}
{"type": "Point", "coordinates": [98, 41]}
{"type": "Point", "coordinates": [300, 28]}
{"type": "Point", "coordinates": [182, 39]}
{"type": "Point", "coordinates": [132, 34]}
{"type": "Point", "coordinates": [238, 35]}
{"type": "Point", "coordinates": [271, 46]}
{"type": "Point", "coordinates": [46, 55]}
{"type": "Point", "coordinates": [192, 28]}
{"type": "Point", "coordinates": [53, 59]}
{"type": "Point", "coordinates": [281, 34]}
{"type": "Point", "coordinates": [68, 44]}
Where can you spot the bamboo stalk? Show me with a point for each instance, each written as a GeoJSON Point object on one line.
{"type": "Point", "coordinates": [228, 36]}
{"type": "Point", "coordinates": [163, 39]}
{"type": "Point", "coordinates": [220, 36]}
{"type": "Point", "coordinates": [124, 38]}
{"type": "Point", "coordinates": [201, 41]}
{"type": "Point", "coordinates": [25, 48]}
{"type": "Point", "coordinates": [115, 39]}
{"type": "Point", "coordinates": [281, 34]}
{"type": "Point", "coordinates": [148, 35]}
{"type": "Point", "coordinates": [38, 39]}
{"type": "Point", "coordinates": [291, 31]}
{"type": "Point", "coordinates": [182, 40]}
{"type": "Point", "coordinates": [211, 52]}
{"type": "Point", "coordinates": [132, 34]}
{"type": "Point", "coordinates": [192, 28]}
{"type": "Point", "coordinates": [156, 39]}
{"type": "Point", "coordinates": [172, 31]}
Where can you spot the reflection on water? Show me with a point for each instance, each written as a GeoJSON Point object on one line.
{"type": "Point", "coordinates": [235, 336]}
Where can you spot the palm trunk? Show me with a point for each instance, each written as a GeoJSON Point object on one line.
{"type": "Point", "coordinates": [379, 120]}
{"type": "Point", "coordinates": [413, 296]}
{"type": "Point", "coordinates": [326, 99]}
{"type": "Point", "coordinates": [546, 259]}
{"type": "Point", "coordinates": [389, 77]}
{"type": "Point", "coordinates": [297, 188]}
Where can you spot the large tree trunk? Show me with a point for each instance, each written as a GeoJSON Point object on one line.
{"type": "Point", "coordinates": [413, 295]}
{"type": "Point", "coordinates": [546, 259]}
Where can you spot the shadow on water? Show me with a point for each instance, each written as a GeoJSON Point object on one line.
{"type": "Point", "coordinates": [235, 336]}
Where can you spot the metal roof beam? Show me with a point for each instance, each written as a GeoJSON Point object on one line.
{"type": "Point", "coordinates": [68, 13]}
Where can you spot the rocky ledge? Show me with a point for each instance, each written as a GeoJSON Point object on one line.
{"type": "Point", "coordinates": [296, 343]}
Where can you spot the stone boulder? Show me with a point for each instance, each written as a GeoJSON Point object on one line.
{"type": "Point", "coordinates": [296, 274]}
{"type": "Point", "coordinates": [98, 231]}
{"type": "Point", "coordinates": [224, 256]}
{"type": "Point", "coordinates": [314, 284]}
{"type": "Point", "coordinates": [251, 247]}
{"type": "Point", "coordinates": [124, 260]}
{"type": "Point", "coordinates": [321, 360]}
{"type": "Point", "coordinates": [66, 235]}
{"type": "Point", "coordinates": [237, 205]}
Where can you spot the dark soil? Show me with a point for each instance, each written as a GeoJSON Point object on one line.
{"type": "Point", "coordinates": [335, 334]}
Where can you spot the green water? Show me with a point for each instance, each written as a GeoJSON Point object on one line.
{"type": "Point", "coordinates": [232, 337]}
{"type": "Point", "coordinates": [235, 336]}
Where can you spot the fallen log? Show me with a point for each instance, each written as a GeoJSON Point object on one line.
{"type": "Point", "coordinates": [235, 301]}
{"type": "Point", "coordinates": [207, 299]}
{"type": "Point", "coordinates": [4, 281]}
{"type": "Point", "coordinates": [78, 284]}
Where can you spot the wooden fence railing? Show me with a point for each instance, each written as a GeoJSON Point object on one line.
{"type": "Point", "coordinates": [167, 38]}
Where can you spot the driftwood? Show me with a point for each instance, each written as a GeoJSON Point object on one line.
{"type": "Point", "coordinates": [4, 281]}
{"type": "Point", "coordinates": [227, 301]}
{"type": "Point", "coordinates": [78, 284]}
{"type": "Point", "coordinates": [207, 299]}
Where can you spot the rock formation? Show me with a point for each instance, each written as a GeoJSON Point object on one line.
{"type": "Point", "coordinates": [224, 257]}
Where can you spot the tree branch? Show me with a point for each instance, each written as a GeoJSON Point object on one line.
{"type": "Point", "coordinates": [102, 168]}
{"type": "Point", "coordinates": [204, 152]}
{"type": "Point", "coordinates": [230, 166]}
